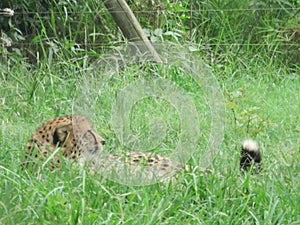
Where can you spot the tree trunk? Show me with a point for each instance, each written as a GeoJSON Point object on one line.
{"type": "Point", "coordinates": [131, 28]}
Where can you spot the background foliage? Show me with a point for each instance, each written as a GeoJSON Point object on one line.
{"type": "Point", "coordinates": [43, 29]}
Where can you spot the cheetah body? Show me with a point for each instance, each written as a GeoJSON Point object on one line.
{"type": "Point", "coordinates": [74, 138]}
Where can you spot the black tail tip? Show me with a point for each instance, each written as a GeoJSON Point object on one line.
{"type": "Point", "coordinates": [250, 156]}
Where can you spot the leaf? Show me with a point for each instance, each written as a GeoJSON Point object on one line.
{"type": "Point", "coordinates": [158, 32]}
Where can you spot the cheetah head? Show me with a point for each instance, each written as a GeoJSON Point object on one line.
{"type": "Point", "coordinates": [73, 136]}
{"type": "Point", "coordinates": [78, 138]}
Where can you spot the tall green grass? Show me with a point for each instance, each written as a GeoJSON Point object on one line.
{"type": "Point", "coordinates": [261, 93]}
{"type": "Point", "coordinates": [257, 106]}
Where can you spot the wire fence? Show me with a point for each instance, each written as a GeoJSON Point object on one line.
{"type": "Point", "coordinates": [205, 45]}
{"type": "Point", "coordinates": [287, 34]}
{"type": "Point", "coordinates": [16, 12]}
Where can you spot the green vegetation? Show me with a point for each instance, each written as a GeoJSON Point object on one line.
{"type": "Point", "coordinates": [251, 48]}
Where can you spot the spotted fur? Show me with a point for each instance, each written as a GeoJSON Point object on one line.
{"type": "Point", "coordinates": [72, 137]}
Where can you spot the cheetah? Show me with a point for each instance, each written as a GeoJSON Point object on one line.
{"type": "Point", "coordinates": [74, 138]}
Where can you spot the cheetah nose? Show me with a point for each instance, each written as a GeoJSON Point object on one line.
{"type": "Point", "coordinates": [102, 142]}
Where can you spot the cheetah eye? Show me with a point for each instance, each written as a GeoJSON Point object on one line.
{"type": "Point", "coordinates": [102, 142]}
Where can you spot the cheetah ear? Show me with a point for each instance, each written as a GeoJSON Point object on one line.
{"type": "Point", "coordinates": [61, 134]}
